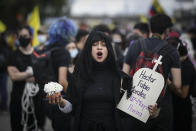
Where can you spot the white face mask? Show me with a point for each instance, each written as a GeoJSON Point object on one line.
{"type": "Point", "coordinates": [116, 40]}
{"type": "Point", "coordinates": [41, 38]}
{"type": "Point", "coordinates": [73, 52]}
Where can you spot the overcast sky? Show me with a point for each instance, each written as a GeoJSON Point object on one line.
{"type": "Point", "coordinates": [127, 7]}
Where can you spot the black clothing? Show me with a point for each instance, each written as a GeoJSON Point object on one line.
{"type": "Point", "coordinates": [46, 63]}
{"type": "Point", "coordinates": [183, 107]}
{"type": "Point", "coordinates": [94, 89]}
{"type": "Point", "coordinates": [60, 58]}
{"type": "Point", "coordinates": [97, 100]}
{"type": "Point", "coordinates": [94, 102]}
{"type": "Point", "coordinates": [166, 114]}
{"type": "Point", "coordinates": [170, 56]}
{"type": "Point", "coordinates": [21, 61]}
{"type": "Point", "coordinates": [4, 53]}
{"type": "Point", "coordinates": [118, 55]}
{"type": "Point", "coordinates": [170, 60]}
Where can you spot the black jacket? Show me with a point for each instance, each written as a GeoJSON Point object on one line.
{"type": "Point", "coordinates": [75, 91]}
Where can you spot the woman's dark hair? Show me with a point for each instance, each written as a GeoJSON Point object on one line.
{"type": "Point", "coordinates": [177, 43]}
{"type": "Point", "coordinates": [80, 34]}
{"type": "Point", "coordinates": [84, 64]}
{"type": "Point", "coordinates": [102, 28]}
{"type": "Point", "coordinates": [159, 23]}
{"type": "Point", "coordinates": [182, 50]}
{"type": "Point", "coordinates": [122, 44]}
{"type": "Point", "coordinates": [30, 30]}
{"type": "Point", "coordinates": [143, 27]}
{"type": "Point", "coordinates": [116, 31]}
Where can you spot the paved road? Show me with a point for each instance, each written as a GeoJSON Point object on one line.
{"type": "Point", "coordinates": [5, 121]}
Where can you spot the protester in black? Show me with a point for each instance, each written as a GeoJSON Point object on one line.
{"type": "Point", "coordinates": [160, 26]}
{"type": "Point", "coordinates": [182, 105]}
{"type": "Point", "coordinates": [181, 102]}
{"type": "Point", "coordinates": [60, 33]}
{"type": "Point", "coordinates": [19, 63]}
{"type": "Point", "coordinates": [100, 83]}
{"type": "Point", "coordinates": [94, 90]}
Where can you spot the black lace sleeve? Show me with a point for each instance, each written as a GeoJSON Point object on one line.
{"type": "Point", "coordinates": [127, 83]}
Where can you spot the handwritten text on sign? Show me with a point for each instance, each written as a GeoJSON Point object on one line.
{"type": "Point", "coordinates": [147, 86]}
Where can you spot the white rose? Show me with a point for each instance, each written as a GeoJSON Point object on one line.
{"type": "Point", "coordinates": [52, 87]}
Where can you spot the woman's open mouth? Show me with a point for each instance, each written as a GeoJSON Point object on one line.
{"type": "Point", "coordinates": [99, 55]}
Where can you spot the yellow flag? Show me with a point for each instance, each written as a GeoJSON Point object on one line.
{"type": "Point", "coordinates": [143, 19]}
{"type": "Point", "coordinates": [158, 7]}
{"type": "Point", "coordinates": [2, 26]}
{"type": "Point", "coordinates": [34, 22]}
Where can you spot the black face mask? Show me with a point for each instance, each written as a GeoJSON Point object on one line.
{"type": "Point", "coordinates": [24, 41]}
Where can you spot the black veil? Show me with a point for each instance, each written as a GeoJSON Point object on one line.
{"type": "Point", "coordinates": [84, 66]}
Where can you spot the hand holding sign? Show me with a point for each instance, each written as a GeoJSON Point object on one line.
{"type": "Point", "coordinates": [147, 86]}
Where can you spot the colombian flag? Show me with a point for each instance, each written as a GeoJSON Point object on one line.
{"type": "Point", "coordinates": [156, 8]}
{"type": "Point", "coordinates": [34, 22]}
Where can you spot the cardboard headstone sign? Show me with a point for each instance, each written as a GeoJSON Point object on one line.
{"type": "Point", "coordinates": [147, 86]}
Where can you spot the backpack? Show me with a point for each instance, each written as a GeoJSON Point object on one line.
{"type": "Point", "coordinates": [42, 65]}
{"type": "Point", "coordinates": [146, 58]}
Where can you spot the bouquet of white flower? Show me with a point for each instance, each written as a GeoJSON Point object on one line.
{"type": "Point", "coordinates": [52, 87]}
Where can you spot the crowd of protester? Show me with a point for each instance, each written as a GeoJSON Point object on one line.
{"type": "Point", "coordinates": [90, 63]}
